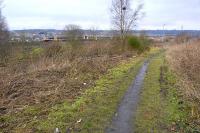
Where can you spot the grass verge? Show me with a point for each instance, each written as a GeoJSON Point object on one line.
{"type": "Point", "coordinates": [92, 111]}
{"type": "Point", "coordinates": [161, 108]}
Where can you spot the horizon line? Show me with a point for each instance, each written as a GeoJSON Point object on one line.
{"type": "Point", "coordinates": [109, 30]}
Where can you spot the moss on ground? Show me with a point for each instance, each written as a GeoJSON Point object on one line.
{"type": "Point", "coordinates": [161, 108]}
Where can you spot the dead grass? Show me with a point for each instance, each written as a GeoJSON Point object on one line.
{"type": "Point", "coordinates": [46, 75]}
{"type": "Point", "coordinates": [185, 60]}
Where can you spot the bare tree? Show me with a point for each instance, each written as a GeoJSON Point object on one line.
{"type": "Point", "coordinates": [73, 32]}
{"type": "Point", "coordinates": [4, 37]}
{"type": "Point", "coordinates": [4, 34]}
{"type": "Point", "coordinates": [124, 18]}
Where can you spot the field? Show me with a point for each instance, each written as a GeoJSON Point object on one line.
{"type": "Point", "coordinates": [65, 69]}
{"type": "Point", "coordinates": [78, 87]}
{"type": "Point", "coordinates": [40, 76]}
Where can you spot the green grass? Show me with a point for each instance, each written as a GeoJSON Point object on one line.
{"type": "Point", "coordinates": [160, 109]}
{"type": "Point", "coordinates": [92, 112]}
{"type": "Point", "coordinates": [97, 105]}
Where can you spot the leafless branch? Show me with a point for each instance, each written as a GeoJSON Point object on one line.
{"type": "Point", "coordinates": [73, 32]}
{"type": "Point", "coordinates": [124, 18]}
{"type": "Point", "coordinates": [4, 34]}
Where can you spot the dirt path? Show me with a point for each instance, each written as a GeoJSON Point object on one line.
{"type": "Point", "coordinates": [123, 120]}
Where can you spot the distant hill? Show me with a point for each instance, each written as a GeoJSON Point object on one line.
{"type": "Point", "coordinates": [110, 32]}
{"type": "Point", "coordinates": [170, 32]}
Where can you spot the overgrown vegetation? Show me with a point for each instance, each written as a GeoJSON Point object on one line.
{"type": "Point", "coordinates": [76, 85]}
{"type": "Point", "coordinates": [184, 59]}
{"type": "Point", "coordinates": [161, 108]}
{"type": "Point", "coordinates": [35, 78]}
{"type": "Point", "coordinates": [93, 111]}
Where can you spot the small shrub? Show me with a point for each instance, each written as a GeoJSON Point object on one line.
{"type": "Point", "coordinates": [139, 43]}
{"type": "Point", "coordinates": [134, 42]}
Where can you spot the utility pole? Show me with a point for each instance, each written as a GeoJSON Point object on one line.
{"type": "Point", "coordinates": [181, 29]}
{"type": "Point", "coordinates": [163, 32]}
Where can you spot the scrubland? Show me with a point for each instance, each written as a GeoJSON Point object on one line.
{"type": "Point", "coordinates": [183, 58]}
{"type": "Point", "coordinates": [36, 77]}
{"type": "Point", "coordinates": [170, 97]}
{"type": "Point", "coordinates": [77, 86]}
{"type": "Point", "coordinates": [48, 73]}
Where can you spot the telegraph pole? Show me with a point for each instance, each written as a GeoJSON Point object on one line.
{"type": "Point", "coordinates": [163, 32]}
{"type": "Point", "coordinates": [181, 29]}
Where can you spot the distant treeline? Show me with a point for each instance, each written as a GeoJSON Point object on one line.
{"type": "Point", "coordinates": [195, 33]}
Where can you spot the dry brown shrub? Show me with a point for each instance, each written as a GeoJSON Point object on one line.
{"type": "Point", "coordinates": [182, 38]}
{"type": "Point", "coordinates": [185, 60]}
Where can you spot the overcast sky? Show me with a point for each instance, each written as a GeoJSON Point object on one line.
{"type": "Point", "coordinates": [54, 14]}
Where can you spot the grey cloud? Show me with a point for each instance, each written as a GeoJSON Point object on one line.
{"type": "Point", "coordinates": [47, 13]}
